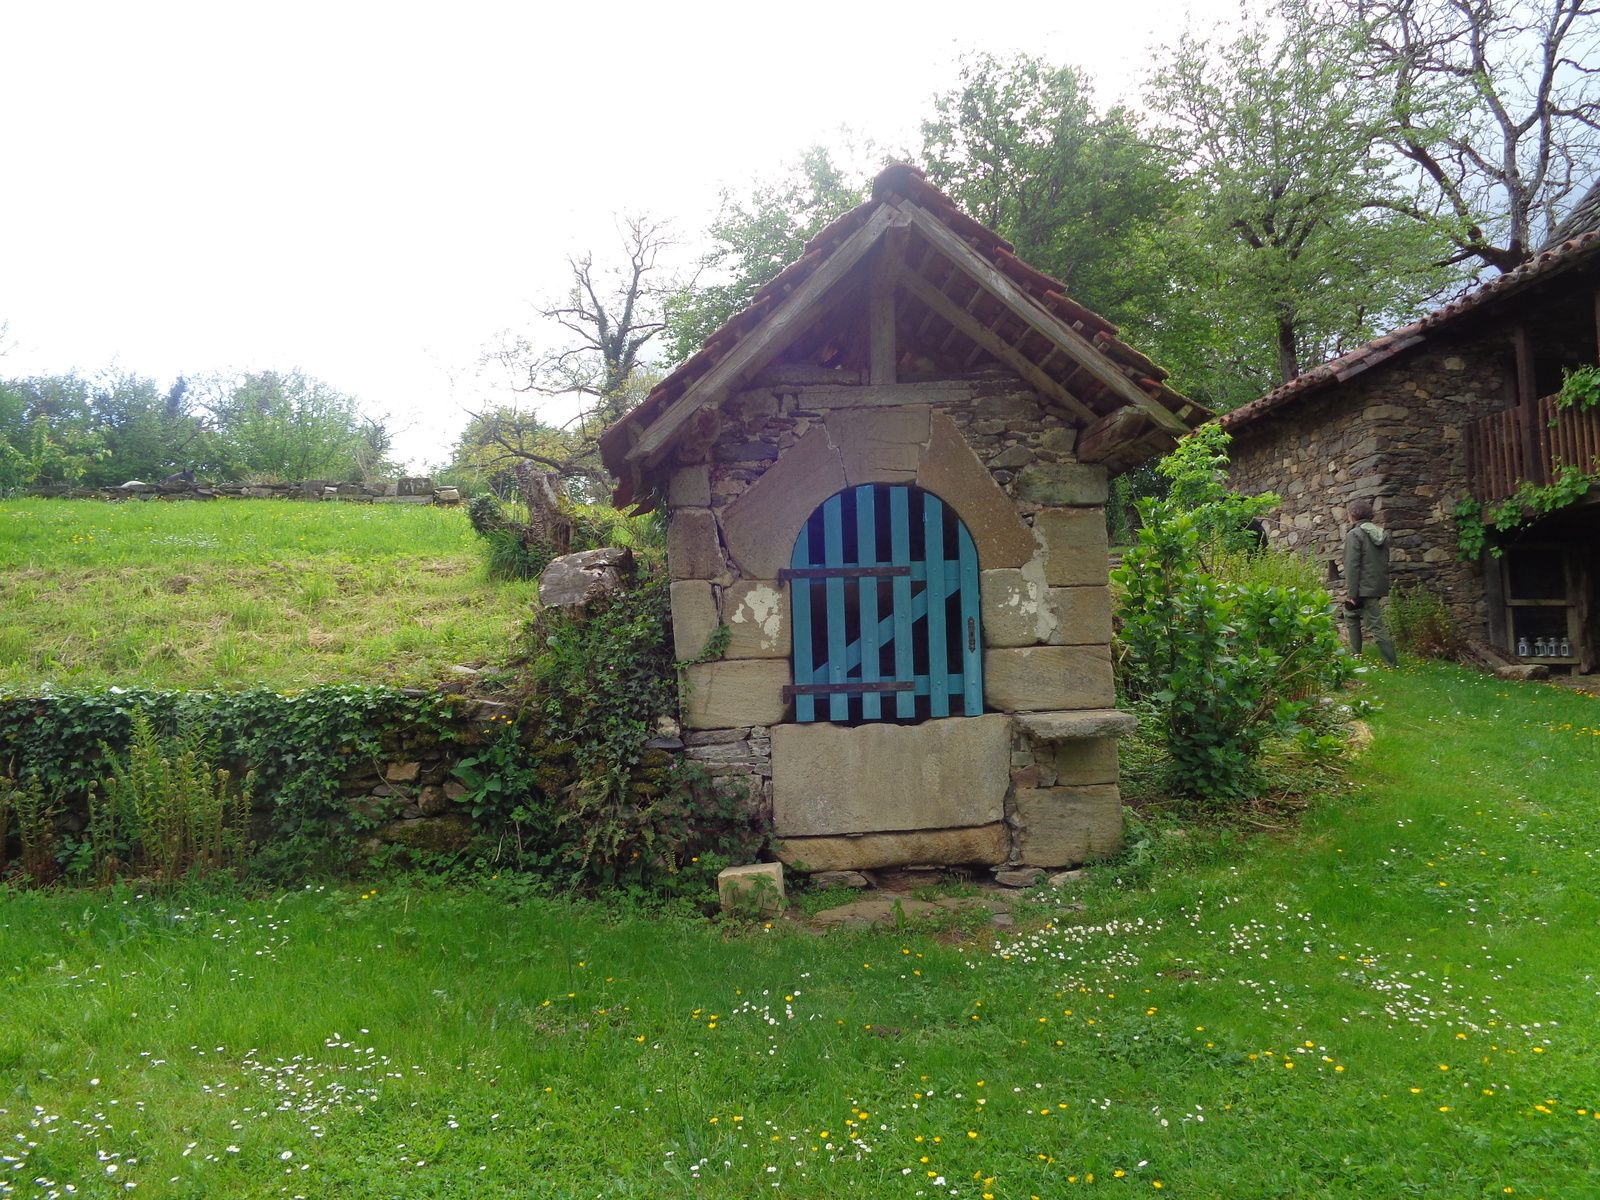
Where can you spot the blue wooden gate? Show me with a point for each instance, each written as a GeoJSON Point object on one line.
{"type": "Point", "coordinates": [883, 592]}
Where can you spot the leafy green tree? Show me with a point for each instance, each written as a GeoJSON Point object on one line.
{"type": "Point", "coordinates": [1292, 243]}
{"type": "Point", "coordinates": [288, 425]}
{"type": "Point", "coordinates": [1019, 145]}
{"type": "Point", "coordinates": [754, 238]}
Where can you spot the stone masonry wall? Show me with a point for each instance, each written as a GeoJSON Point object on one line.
{"type": "Point", "coordinates": [1394, 436]}
{"type": "Point", "coordinates": [740, 490]}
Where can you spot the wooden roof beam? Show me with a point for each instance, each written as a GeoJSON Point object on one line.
{"type": "Point", "coordinates": [986, 338]}
{"type": "Point", "coordinates": [1046, 323]}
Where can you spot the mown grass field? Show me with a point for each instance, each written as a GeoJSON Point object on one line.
{"type": "Point", "coordinates": [1398, 999]}
{"type": "Point", "coordinates": [234, 593]}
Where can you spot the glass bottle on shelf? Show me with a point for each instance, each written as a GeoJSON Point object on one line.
{"type": "Point", "coordinates": [1523, 649]}
{"type": "Point", "coordinates": [1566, 648]}
{"type": "Point", "coordinates": [1538, 646]}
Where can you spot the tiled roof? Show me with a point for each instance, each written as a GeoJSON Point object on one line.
{"type": "Point", "coordinates": [902, 182]}
{"type": "Point", "coordinates": [1549, 263]}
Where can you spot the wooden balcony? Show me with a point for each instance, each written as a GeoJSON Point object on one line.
{"type": "Point", "coordinates": [1529, 442]}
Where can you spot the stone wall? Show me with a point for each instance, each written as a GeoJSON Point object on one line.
{"type": "Point", "coordinates": [1394, 436]}
{"type": "Point", "coordinates": [741, 488]}
{"type": "Point", "coordinates": [411, 490]}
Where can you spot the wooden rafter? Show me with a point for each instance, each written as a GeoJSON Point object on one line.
{"type": "Point", "coordinates": [986, 338]}
{"type": "Point", "coordinates": [1052, 327]}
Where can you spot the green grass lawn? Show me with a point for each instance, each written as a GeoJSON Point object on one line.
{"type": "Point", "coordinates": [239, 592]}
{"type": "Point", "coordinates": [1397, 1000]}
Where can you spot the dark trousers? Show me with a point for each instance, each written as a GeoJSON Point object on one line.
{"type": "Point", "coordinates": [1369, 619]}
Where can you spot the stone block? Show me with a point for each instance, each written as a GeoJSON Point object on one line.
{"type": "Point", "coordinates": [756, 613]}
{"type": "Point", "coordinates": [1083, 616]}
{"type": "Point", "coordinates": [757, 887]}
{"type": "Point", "coordinates": [879, 445]}
{"type": "Point", "coordinates": [1043, 678]}
{"type": "Point", "coordinates": [1015, 608]}
{"type": "Point", "coordinates": [694, 617]}
{"type": "Point", "coordinates": [1059, 441]}
{"type": "Point", "coordinates": [689, 487]}
{"type": "Point", "coordinates": [1011, 458]}
{"type": "Point", "coordinates": [989, 845]}
{"type": "Point", "coordinates": [722, 695]}
{"type": "Point", "coordinates": [402, 772]}
{"type": "Point", "coordinates": [1062, 484]}
{"type": "Point", "coordinates": [951, 471]}
{"type": "Point", "coordinates": [693, 549]}
{"type": "Point", "coordinates": [1061, 826]}
{"type": "Point", "coordinates": [1074, 540]}
{"type": "Point", "coordinates": [1080, 761]}
{"type": "Point", "coordinates": [834, 779]}
{"type": "Point", "coordinates": [761, 525]}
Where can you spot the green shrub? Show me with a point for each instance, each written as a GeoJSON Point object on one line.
{"type": "Point", "coordinates": [1226, 664]}
{"type": "Point", "coordinates": [1423, 624]}
{"type": "Point", "coordinates": [167, 803]}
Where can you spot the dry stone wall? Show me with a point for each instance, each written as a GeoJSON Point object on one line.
{"type": "Point", "coordinates": [411, 490]}
{"type": "Point", "coordinates": [1395, 437]}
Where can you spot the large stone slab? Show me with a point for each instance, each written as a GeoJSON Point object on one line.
{"type": "Point", "coordinates": [761, 525]}
{"type": "Point", "coordinates": [726, 695]}
{"type": "Point", "coordinates": [989, 845]}
{"type": "Point", "coordinates": [1062, 483]}
{"type": "Point", "coordinates": [1075, 546]}
{"type": "Point", "coordinates": [1083, 616]}
{"type": "Point", "coordinates": [756, 612]}
{"type": "Point", "coordinates": [694, 617]}
{"type": "Point", "coordinates": [1084, 723]}
{"type": "Point", "coordinates": [1042, 678]}
{"type": "Point", "coordinates": [879, 445]}
{"type": "Point", "coordinates": [832, 779]}
{"type": "Point", "coordinates": [1061, 826]}
{"type": "Point", "coordinates": [693, 550]}
{"type": "Point", "coordinates": [951, 471]}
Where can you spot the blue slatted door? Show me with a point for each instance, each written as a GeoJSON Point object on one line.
{"type": "Point", "coordinates": [884, 601]}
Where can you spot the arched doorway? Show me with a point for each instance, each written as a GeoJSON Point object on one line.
{"type": "Point", "coordinates": [884, 601]}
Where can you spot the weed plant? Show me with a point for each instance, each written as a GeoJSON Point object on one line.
{"type": "Point", "coordinates": [1423, 624]}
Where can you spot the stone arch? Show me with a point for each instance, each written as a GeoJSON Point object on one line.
{"type": "Point", "coordinates": [906, 444]}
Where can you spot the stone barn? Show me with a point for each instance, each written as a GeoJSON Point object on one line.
{"type": "Point", "coordinates": [1461, 404]}
{"type": "Point", "coordinates": [886, 479]}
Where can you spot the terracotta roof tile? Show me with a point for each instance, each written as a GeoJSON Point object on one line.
{"type": "Point", "coordinates": [1566, 256]}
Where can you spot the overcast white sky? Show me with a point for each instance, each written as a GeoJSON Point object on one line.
{"type": "Point", "coordinates": [370, 192]}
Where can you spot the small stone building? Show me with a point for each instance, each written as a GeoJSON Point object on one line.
{"type": "Point", "coordinates": [1459, 404]}
{"type": "Point", "coordinates": [886, 479]}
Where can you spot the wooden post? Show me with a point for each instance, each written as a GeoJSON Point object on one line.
{"type": "Point", "coordinates": [883, 349]}
{"type": "Point", "coordinates": [1528, 407]}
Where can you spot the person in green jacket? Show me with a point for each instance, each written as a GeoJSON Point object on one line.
{"type": "Point", "coordinates": [1366, 580]}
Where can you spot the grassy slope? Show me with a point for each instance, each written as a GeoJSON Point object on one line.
{"type": "Point", "coordinates": [1438, 915]}
{"type": "Point", "coordinates": [233, 593]}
